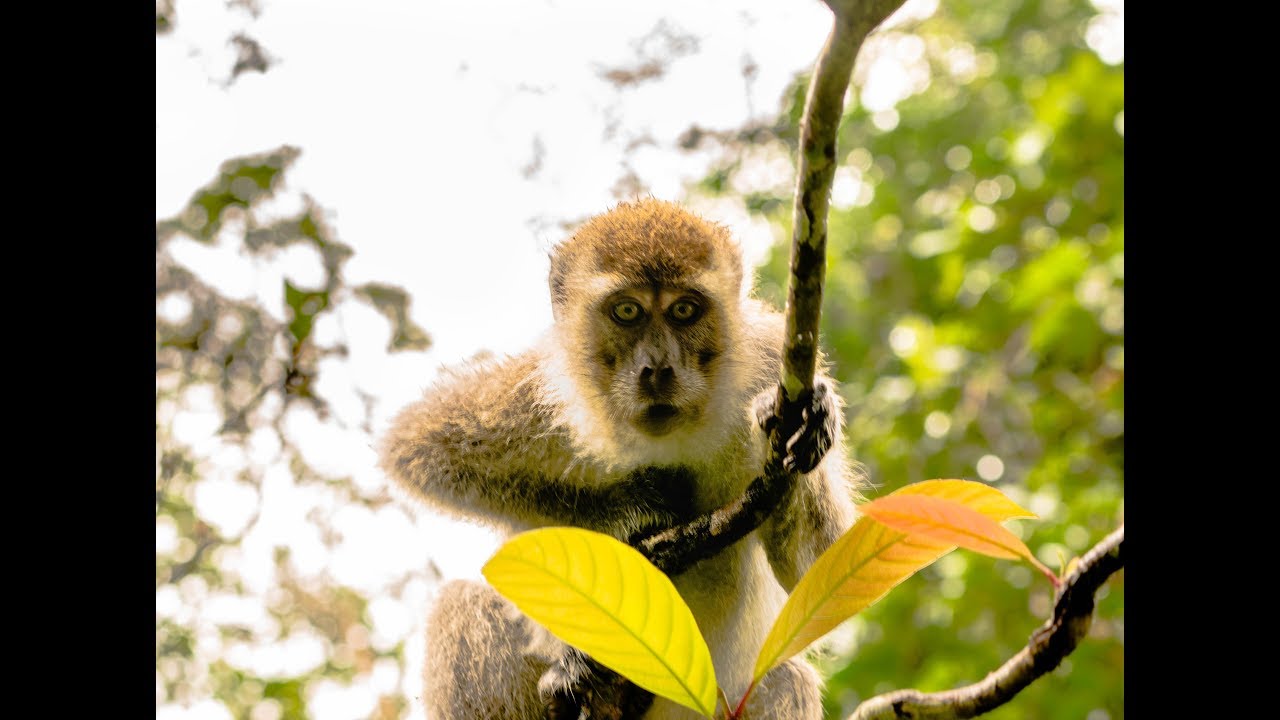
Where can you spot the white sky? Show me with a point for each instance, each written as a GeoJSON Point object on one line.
{"type": "Point", "coordinates": [414, 120]}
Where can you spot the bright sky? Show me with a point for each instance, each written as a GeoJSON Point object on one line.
{"type": "Point", "coordinates": [415, 120]}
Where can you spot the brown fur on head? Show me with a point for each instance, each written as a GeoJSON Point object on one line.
{"type": "Point", "coordinates": [646, 299]}
{"type": "Point", "coordinates": [647, 242]}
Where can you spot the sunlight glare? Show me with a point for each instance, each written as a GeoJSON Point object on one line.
{"type": "Point", "coordinates": [330, 700]}
{"type": "Point", "coordinates": [990, 468]}
{"type": "Point", "coordinates": [166, 535]}
{"type": "Point", "coordinates": [903, 340]}
{"type": "Point", "coordinates": [958, 157]}
{"type": "Point", "coordinates": [1105, 32]}
{"type": "Point", "coordinates": [845, 187]}
{"type": "Point", "coordinates": [982, 219]}
{"type": "Point", "coordinates": [391, 623]}
{"type": "Point", "coordinates": [226, 504]}
{"type": "Point", "coordinates": [174, 308]}
{"type": "Point", "coordinates": [885, 120]}
{"type": "Point", "coordinates": [1029, 145]}
{"type": "Point", "coordinates": [199, 710]}
{"type": "Point", "coordinates": [937, 424]}
{"type": "Point", "coordinates": [987, 191]}
{"type": "Point", "coordinates": [948, 358]}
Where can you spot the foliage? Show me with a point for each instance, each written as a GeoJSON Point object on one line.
{"type": "Point", "coordinates": [949, 522]}
{"type": "Point", "coordinates": [605, 598]}
{"type": "Point", "coordinates": [871, 559]}
{"type": "Point", "coordinates": [226, 590]}
{"type": "Point", "coordinates": [974, 312]}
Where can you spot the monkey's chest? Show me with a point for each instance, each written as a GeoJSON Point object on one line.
{"type": "Point", "coordinates": [734, 598]}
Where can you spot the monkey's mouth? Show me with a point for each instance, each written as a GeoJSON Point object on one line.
{"type": "Point", "coordinates": [658, 419]}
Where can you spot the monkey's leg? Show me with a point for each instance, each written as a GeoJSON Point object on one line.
{"type": "Point", "coordinates": [791, 691]}
{"type": "Point", "coordinates": [577, 687]}
{"type": "Point", "coordinates": [479, 660]}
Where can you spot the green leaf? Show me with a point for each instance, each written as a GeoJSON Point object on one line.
{"type": "Point", "coordinates": [305, 305]}
{"type": "Point", "coordinates": [393, 303]}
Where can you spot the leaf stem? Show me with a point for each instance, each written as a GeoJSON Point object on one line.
{"type": "Point", "coordinates": [742, 704]}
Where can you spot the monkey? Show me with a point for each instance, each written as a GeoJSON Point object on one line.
{"type": "Point", "coordinates": [646, 403]}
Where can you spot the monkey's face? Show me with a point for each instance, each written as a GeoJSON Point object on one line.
{"type": "Point", "coordinates": [656, 348]}
{"type": "Point", "coordinates": [646, 300]}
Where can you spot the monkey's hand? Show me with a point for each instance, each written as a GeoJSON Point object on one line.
{"type": "Point", "coordinates": [820, 425]}
{"type": "Point", "coordinates": [576, 687]}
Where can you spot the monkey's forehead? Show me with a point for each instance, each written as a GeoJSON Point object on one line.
{"type": "Point", "coordinates": [649, 242]}
{"type": "Point", "coordinates": [606, 284]}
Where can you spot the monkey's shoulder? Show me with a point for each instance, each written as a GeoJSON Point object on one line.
{"type": "Point", "coordinates": [490, 409]}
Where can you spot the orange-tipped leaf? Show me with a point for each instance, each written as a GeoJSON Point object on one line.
{"type": "Point", "coordinates": [973, 495]}
{"type": "Point", "coordinates": [949, 521]}
{"type": "Point", "coordinates": [864, 564]}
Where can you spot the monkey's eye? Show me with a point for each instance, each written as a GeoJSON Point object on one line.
{"type": "Point", "coordinates": [627, 312]}
{"type": "Point", "coordinates": [684, 311]}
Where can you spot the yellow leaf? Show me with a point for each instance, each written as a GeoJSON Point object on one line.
{"type": "Point", "coordinates": [857, 570]}
{"type": "Point", "coordinates": [864, 564]}
{"type": "Point", "coordinates": [977, 496]}
{"type": "Point", "coordinates": [604, 598]}
{"type": "Point", "coordinates": [949, 521]}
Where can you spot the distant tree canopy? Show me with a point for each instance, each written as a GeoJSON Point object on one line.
{"type": "Point", "coordinates": [974, 312]}
{"type": "Point", "coordinates": [234, 360]}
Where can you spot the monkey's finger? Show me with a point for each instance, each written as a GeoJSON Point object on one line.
{"type": "Point", "coordinates": [810, 444]}
{"type": "Point", "coordinates": [806, 450]}
{"type": "Point", "coordinates": [762, 408]}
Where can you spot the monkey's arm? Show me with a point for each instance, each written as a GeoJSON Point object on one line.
{"type": "Point", "coordinates": [819, 509]}
{"type": "Point", "coordinates": [481, 445]}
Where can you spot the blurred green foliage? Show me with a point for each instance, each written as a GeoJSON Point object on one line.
{"type": "Point", "coordinates": [974, 313]}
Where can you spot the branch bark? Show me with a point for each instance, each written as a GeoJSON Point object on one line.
{"type": "Point", "coordinates": [1049, 644]}
{"type": "Point", "coordinates": [675, 549]}
{"type": "Point", "coordinates": [823, 108]}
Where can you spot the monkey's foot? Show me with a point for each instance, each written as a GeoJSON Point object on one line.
{"type": "Point", "coordinates": [578, 688]}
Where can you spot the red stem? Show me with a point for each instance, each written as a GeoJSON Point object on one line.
{"type": "Point", "coordinates": [742, 705]}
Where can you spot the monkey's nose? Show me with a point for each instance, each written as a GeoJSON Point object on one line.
{"type": "Point", "coordinates": [658, 384]}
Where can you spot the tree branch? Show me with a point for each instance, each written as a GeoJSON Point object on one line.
{"type": "Point", "coordinates": [1056, 639]}
{"type": "Point", "coordinates": [675, 549]}
{"type": "Point", "coordinates": [823, 108]}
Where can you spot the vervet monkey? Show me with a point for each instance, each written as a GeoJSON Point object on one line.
{"type": "Point", "coordinates": [640, 408]}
